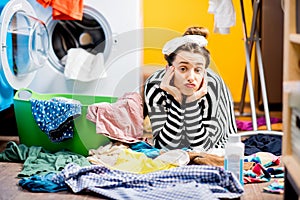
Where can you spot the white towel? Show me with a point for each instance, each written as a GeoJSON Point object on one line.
{"type": "Point", "coordinates": [224, 15]}
{"type": "Point", "coordinates": [84, 66]}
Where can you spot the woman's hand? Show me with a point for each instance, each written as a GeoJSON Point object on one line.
{"type": "Point", "coordinates": [166, 84]}
{"type": "Point", "coordinates": [199, 93]}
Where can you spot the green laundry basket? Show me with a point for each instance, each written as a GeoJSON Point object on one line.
{"type": "Point", "coordinates": [85, 136]}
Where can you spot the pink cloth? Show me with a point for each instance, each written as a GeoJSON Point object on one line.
{"type": "Point", "coordinates": [122, 120]}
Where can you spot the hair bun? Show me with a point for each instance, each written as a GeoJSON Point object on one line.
{"type": "Point", "coordinates": [195, 30]}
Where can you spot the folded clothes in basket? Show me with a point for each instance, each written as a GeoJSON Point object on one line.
{"type": "Point", "coordinates": [55, 117]}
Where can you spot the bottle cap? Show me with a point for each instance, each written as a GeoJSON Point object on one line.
{"type": "Point", "coordinates": [234, 138]}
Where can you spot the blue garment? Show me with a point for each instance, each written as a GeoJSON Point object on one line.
{"type": "Point", "coordinates": [44, 183]}
{"type": "Point", "coordinates": [263, 143]}
{"type": "Point", "coordinates": [147, 149]}
{"type": "Point", "coordinates": [186, 182]}
{"type": "Point", "coordinates": [56, 117]}
{"type": "Point", "coordinates": [6, 91]}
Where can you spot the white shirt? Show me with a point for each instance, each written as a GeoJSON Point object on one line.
{"type": "Point", "coordinates": [224, 15]}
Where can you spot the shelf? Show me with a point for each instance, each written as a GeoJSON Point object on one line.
{"type": "Point", "coordinates": [295, 38]}
{"type": "Point", "coordinates": [293, 166]}
{"type": "Point", "coordinates": [290, 158]}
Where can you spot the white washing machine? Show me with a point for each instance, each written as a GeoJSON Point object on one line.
{"type": "Point", "coordinates": [40, 45]}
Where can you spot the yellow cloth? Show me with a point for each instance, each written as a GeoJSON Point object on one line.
{"type": "Point", "coordinates": [137, 162]}
{"type": "Point", "coordinates": [122, 158]}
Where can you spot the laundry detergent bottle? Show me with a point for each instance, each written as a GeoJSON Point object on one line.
{"type": "Point", "coordinates": [234, 156]}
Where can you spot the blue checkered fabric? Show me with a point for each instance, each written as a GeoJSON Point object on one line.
{"type": "Point", "coordinates": [186, 182]}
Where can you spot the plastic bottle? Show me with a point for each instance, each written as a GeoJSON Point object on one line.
{"type": "Point", "coordinates": [234, 156]}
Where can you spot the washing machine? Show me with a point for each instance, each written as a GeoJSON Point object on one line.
{"type": "Point", "coordinates": [40, 46]}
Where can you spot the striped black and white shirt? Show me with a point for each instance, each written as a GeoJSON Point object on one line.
{"type": "Point", "coordinates": [203, 124]}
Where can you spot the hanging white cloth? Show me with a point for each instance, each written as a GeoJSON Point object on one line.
{"type": "Point", "coordinates": [84, 66]}
{"type": "Point", "coordinates": [224, 15]}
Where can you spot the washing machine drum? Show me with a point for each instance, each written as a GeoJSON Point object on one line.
{"type": "Point", "coordinates": [87, 34]}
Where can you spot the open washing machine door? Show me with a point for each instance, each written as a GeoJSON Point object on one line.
{"type": "Point", "coordinates": [29, 39]}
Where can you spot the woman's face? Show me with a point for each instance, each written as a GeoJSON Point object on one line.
{"type": "Point", "coordinates": [189, 71]}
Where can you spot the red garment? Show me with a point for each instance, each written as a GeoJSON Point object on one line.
{"type": "Point", "coordinates": [64, 9]}
{"type": "Point", "coordinates": [122, 120]}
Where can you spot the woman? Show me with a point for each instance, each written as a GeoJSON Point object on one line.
{"type": "Point", "coordinates": [189, 105]}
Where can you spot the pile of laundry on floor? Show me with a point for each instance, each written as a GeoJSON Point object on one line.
{"type": "Point", "coordinates": [130, 167]}
{"type": "Point", "coordinates": [118, 171]}
{"type": "Point", "coordinates": [138, 170]}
